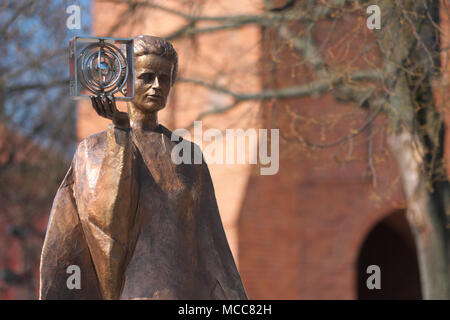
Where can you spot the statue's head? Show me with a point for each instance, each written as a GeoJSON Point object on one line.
{"type": "Point", "coordinates": [156, 68]}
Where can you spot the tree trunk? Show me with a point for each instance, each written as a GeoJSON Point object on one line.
{"type": "Point", "coordinates": [426, 216]}
{"type": "Point", "coordinates": [418, 132]}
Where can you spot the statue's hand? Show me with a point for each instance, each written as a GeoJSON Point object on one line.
{"type": "Point", "coordinates": [105, 106]}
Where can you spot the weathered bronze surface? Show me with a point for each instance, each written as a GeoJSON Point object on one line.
{"type": "Point", "coordinates": [138, 225]}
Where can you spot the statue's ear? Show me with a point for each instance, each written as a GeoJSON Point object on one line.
{"type": "Point", "coordinates": [172, 70]}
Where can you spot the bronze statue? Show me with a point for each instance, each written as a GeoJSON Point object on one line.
{"type": "Point", "coordinates": [137, 225]}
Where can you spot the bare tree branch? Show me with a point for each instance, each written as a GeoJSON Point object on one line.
{"type": "Point", "coordinates": [312, 88]}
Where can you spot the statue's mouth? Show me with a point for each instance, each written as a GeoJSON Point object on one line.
{"type": "Point", "coordinates": [153, 97]}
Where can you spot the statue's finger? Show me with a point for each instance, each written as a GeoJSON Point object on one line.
{"type": "Point", "coordinates": [104, 104]}
{"type": "Point", "coordinates": [111, 105]}
{"type": "Point", "coordinates": [113, 102]}
{"type": "Point", "coordinates": [95, 105]}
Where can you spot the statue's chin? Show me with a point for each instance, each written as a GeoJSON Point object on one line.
{"type": "Point", "coordinates": [149, 107]}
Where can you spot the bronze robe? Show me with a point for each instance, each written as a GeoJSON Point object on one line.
{"type": "Point", "coordinates": [137, 225]}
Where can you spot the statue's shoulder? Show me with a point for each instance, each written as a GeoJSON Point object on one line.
{"type": "Point", "coordinates": [195, 150]}
{"type": "Point", "coordinates": [95, 138]}
{"type": "Point", "coordinates": [176, 139]}
{"type": "Point", "coordinates": [92, 143]}
{"type": "Point", "coordinates": [166, 132]}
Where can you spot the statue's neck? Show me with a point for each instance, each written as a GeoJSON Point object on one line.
{"type": "Point", "coordinates": [142, 121]}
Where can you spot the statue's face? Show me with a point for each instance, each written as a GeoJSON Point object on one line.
{"type": "Point", "coordinates": [153, 82]}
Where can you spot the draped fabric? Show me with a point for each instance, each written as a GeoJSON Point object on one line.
{"type": "Point", "coordinates": [137, 225]}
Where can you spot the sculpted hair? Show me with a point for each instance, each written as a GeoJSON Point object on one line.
{"type": "Point", "coordinates": [158, 46]}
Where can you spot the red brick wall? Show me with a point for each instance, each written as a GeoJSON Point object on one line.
{"type": "Point", "coordinates": [300, 232]}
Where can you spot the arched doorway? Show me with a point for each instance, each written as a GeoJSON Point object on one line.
{"type": "Point", "coordinates": [390, 245]}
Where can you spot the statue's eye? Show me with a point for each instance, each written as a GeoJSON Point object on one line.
{"type": "Point", "coordinates": [147, 77]}
{"type": "Point", "coordinates": [164, 78]}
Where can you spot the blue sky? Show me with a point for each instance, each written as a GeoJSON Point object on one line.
{"type": "Point", "coordinates": [37, 31]}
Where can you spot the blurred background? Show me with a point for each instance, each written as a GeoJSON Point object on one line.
{"type": "Point", "coordinates": [361, 113]}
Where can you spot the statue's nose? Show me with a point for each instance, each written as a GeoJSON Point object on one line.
{"type": "Point", "coordinates": [156, 82]}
